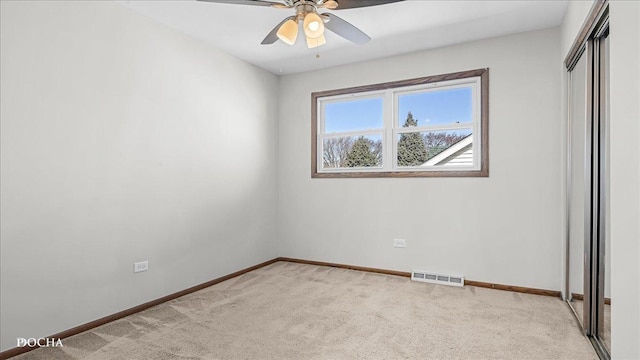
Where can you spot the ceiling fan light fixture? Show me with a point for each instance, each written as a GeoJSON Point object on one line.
{"type": "Point", "coordinates": [288, 32]}
{"type": "Point", "coordinates": [330, 4]}
{"type": "Point", "coordinates": [315, 42]}
{"type": "Point", "coordinates": [313, 25]}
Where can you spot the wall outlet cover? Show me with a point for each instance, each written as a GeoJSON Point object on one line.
{"type": "Point", "coordinates": [399, 243]}
{"type": "Point", "coordinates": [140, 266]}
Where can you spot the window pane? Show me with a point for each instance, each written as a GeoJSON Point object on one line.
{"type": "Point", "coordinates": [435, 148]}
{"type": "Point", "coordinates": [354, 115]}
{"type": "Point", "coordinates": [352, 151]}
{"type": "Point", "coordinates": [435, 107]}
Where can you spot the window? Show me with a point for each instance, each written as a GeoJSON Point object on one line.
{"type": "Point", "coordinates": [435, 126]}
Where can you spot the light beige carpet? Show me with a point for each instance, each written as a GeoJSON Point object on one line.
{"type": "Point", "coordinates": [294, 311]}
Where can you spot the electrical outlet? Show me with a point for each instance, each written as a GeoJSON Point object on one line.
{"type": "Point", "coordinates": [140, 266]}
{"type": "Point", "coordinates": [399, 243]}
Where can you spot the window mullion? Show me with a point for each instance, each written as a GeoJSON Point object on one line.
{"type": "Point", "coordinates": [353, 133]}
{"type": "Point", "coordinates": [388, 133]}
{"type": "Point", "coordinates": [412, 129]}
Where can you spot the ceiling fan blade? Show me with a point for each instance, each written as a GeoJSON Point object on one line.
{"type": "Point", "coordinates": [248, 2]}
{"type": "Point", "coordinates": [350, 4]}
{"type": "Point", "coordinates": [273, 35]}
{"type": "Point", "coordinates": [346, 30]}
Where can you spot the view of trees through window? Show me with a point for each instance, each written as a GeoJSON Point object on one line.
{"type": "Point", "coordinates": [355, 151]}
{"type": "Point", "coordinates": [414, 148]}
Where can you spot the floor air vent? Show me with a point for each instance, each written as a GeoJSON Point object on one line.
{"type": "Point", "coordinates": [450, 280]}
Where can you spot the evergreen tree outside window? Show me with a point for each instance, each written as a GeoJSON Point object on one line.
{"type": "Point", "coordinates": [412, 150]}
{"type": "Point", "coordinates": [363, 154]}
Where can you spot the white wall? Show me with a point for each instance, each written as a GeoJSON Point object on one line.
{"type": "Point", "coordinates": [625, 179]}
{"type": "Point", "coordinates": [624, 167]}
{"type": "Point", "coordinates": [122, 141]}
{"type": "Point", "coordinates": [572, 22]}
{"type": "Point", "coordinates": [503, 229]}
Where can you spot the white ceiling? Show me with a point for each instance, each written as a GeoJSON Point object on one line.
{"type": "Point", "coordinates": [395, 28]}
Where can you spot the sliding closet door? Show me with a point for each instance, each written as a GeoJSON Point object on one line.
{"type": "Point", "coordinates": [600, 239]}
{"type": "Point", "coordinates": [577, 184]}
{"type": "Point", "coordinates": [588, 261]}
{"type": "Point", "coordinates": [606, 329]}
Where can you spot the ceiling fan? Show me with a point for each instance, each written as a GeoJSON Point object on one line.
{"type": "Point", "coordinates": [313, 23]}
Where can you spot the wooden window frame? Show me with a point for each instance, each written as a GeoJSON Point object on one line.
{"type": "Point", "coordinates": [483, 170]}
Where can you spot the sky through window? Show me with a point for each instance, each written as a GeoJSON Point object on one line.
{"type": "Point", "coordinates": [429, 108]}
